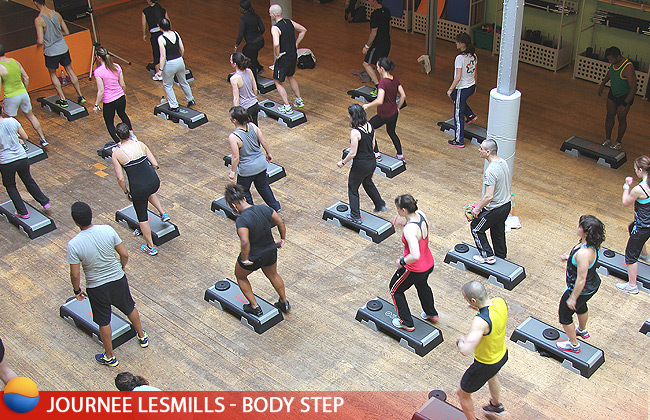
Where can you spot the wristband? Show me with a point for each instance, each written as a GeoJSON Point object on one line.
{"type": "Point", "coordinates": [77, 292]}
{"type": "Point", "coordinates": [626, 187]}
{"type": "Point", "coordinates": [402, 262]}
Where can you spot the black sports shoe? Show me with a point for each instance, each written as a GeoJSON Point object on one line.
{"type": "Point", "coordinates": [355, 219]}
{"type": "Point", "coordinates": [499, 410]}
{"type": "Point", "coordinates": [284, 307]}
{"type": "Point", "coordinates": [191, 103]}
{"type": "Point", "coordinates": [63, 103]}
{"type": "Point", "coordinates": [175, 109]}
{"type": "Point", "coordinates": [81, 100]}
{"type": "Point", "coordinates": [248, 308]}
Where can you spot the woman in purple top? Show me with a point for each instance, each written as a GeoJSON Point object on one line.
{"type": "Point", "coordinates": [110, 91]}
{"type": "Point", "coordinates": [387, 105]}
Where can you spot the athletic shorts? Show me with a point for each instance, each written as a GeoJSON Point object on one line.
{"type": "Point", "coordinates": [140, 206]}
{"type": "Point", "coordinates": [114, 293]}
{"type": "Point", "coordinates": [284, 67]}
{"type": "Point", "coordinates": [376, 52]}
{"type": "Point", "coordinates": [52, 62]}
{"type": "Point", "coordinates": [618, 100]}
{"type": "Point", "coordinates": [566, 314]}
{"type": "Point", "coordinates": [638, 238]}
{"type": "Point", "coordinates": [477, 374]}
{"type": "Point", "coordinates": [2, 351]}
{"type": "Point", "coordinates": [12, 104]}
{"type": "Point", "coordinates": [267, 259]}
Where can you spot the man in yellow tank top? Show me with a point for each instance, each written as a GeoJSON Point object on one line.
{"type": "Point", "coordinates": [486, 339]}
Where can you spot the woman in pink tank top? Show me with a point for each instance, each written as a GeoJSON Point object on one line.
{"type": "Point", "coordinates": [414, 266]}
{"type": "Point", "coordinates": [110, 91]}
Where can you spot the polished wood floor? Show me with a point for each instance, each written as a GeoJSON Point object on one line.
{"type": "Point", "coordinates": [329, 272]}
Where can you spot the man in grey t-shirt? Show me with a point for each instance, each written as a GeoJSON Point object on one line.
{"type": "Point", "coordinates": [106, 284]}
{"type": "Point", "coordinates": [493, 209]}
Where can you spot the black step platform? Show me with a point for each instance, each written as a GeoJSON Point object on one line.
{"type": "Point", "coordinates": [437, 408]}
{"type": "Point", "coordinates": [532, 334]}
{"type": "Point", "coordinates": [503, 273]}
{"type": "Point", "coordinates": [274, 171]}
{"type": "Point", "coordinates": [388, 166]}
{"type": "Point", "coordinates": [106, 152]}
{"type": "Point", "coordinates": [78, 313]}
{"type": "Point", "coordinates": [264, 84]}
{"type": "Point", "coordinates": [37, 225]}
{"type": "Point", "coordinates": [185, 116]}
{"type": "Point", "coordinates": [72, 112]}
{"type": "Point", "coordinates": [161, 232]}
{"type": "Point", "coordinates": [612, 263]}
{"type": "Point", "coordinates": [189, 77]}
{"type": "Point", "coordinates": [604, 155]}
{"type": "Point", "coordinates": [227, 296]}
{"type": "Point", "coordinates": [645, 328]}
{"type": "Point", "coordinates": [371, 227]}
{"type": "Point", "coordinates": [378, 315]}
{"type": "Point", "coordinates": [269, 108]}
{"type": "Point", "coordinates": [35, 153]}
{"type": "Point", "coordinates": [472, 132]}
{"type": "Point", "coordinates": [221, 207]}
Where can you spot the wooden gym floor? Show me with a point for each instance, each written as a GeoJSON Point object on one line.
{"type": "Point", "coordinates": [329, 272]}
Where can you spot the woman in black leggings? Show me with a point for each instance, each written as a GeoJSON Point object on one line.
{"type": "Point", "coordinates": [110, 91]}
{"type": "Point", "coordinates": [251, 29]}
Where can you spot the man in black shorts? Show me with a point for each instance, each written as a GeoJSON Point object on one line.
{"type": "Point", "coordinates": [6, 374]}
{"type": "Point", "coordinates": [106, 283]}
{"type": "Point", "coordinates": [378, 44]}
{"type": "Point", "coordinates": [285, 46]}
{"type": "Point", "coordinates": [258, 248]}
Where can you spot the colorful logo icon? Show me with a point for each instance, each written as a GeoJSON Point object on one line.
{"type": "Point", "coordinates": [21, 394]}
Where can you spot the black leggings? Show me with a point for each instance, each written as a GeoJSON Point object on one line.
{"type": "Point", "coordinates": [250, 50]}
{"type": "Point", "coordinates": [21, 167]}
{"type": "Point", "coordinates": [110, 108]}
{"type": "Point", "coordinates": [391, 123]}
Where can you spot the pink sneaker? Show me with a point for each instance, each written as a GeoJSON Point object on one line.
{"type": "Point", "coordinates": [22, 216]}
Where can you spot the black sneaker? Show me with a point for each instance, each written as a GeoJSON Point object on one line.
{"type": "Point", "coordinates": [355, 219]}
{"type": "Point", "coordinates": [284, 307]}
{"type": "Point", "coordinates": [81, 100]}
{"type": "Point", "coordinates": [103, 360]}
{"type": "Point", "coordinates": [63, 103]}
{"type": "Point", "coordinates": [379, 209]}
{"type": "Point", "coordinates": [248, 308]}
{"type": "Point", "coordinates": [175, 109]}
{"type": "Point", "coordinates": [456, 143]}
{"type": "Point", "coordinates": [498, 410]}
{"type": "Point", "coordinates": [191, 103]}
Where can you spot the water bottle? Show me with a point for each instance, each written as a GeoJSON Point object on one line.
{"type": "Point", "coordinates": [512, 204]}
{"type": "Point", "coordinates": [63, 78]}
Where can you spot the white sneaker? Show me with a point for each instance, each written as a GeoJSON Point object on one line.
{"type": "Point", "coordinates": [286, 109]}
{"type": "Point", "coordinates": [487, 260]}
{"type": "Point", "coordinates": [607, 143]}
{"type": "Point", "coordinates": [625, 287]}
{"type": "Point", "coordinates": [156, 78]}
{"type": "Point", "coordinates": [567, 346]}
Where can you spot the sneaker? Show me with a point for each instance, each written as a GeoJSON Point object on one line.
{"type": "Point", "coordinates": [156, 78]}
{"type": "Point", "coordinates": [175, 109]}
{"type": "Point", "coordinates": [151, 67]}
{"type": "Point", "coordinates": [355, 219]}
{"type": "Point", "coordinates": [494, 409]}
{"type": "Point", "coordinates": [607, 143]}
{"type": "Point", "coordinates": [582, 333]}
{"type": "Point", "coordinates": [22, 216]}
{"type": "Point", "coordinates": [625, 287]}
{"type": "Point", "coordinates": [44, 143]}
{"type": "Point", "coordinates": [400, 157]}
{"type": "Point", "coordinates": [136, 232]}
{"type": "Point", "coordinates": [397, 323]}
{"type": "Point", "coordinates": [62, 103]}
{"type": "Point", "coordinates": [272, 67]}
{"type": "Point", "coordinates": [429, 318]}
{"type": "Point", "coordinates": [616, 146]}
{"type": "Point", "coordinates": [373, 92]}
{"type": "Point", "coordinates": [645, 257]}
{"type": "Point", "coordinates": [378, 156]}
{"type": "Point", "coordinates": [165, 218]}
{"type": "Point", "coordinates": [298, 103]}
{"type": "Point", "coordinates": [487, 260]}
{"type": "Point", "coordinates": [81, 100]}
{"type": "Point", "coordinates": [284, 307]}
{"type": "Point", "coordinates": [191, 103]}
{"type": "Point", "coordinates": [248, 308]}
{"type": "Point", "coordinates": [47, 205]}
{"type": "Point", "coordinates": [567, 346]}
{"type": "Point", "coordinates": [102, 360]}
{"type": "Point", "coordinates": [144, 341]}
{"type": "Point", "coordinates": [471, 118]}
{"type": "Point", "coordinates": [379, 209]}
{"type": "Point", "coordinates": [150, 251]}
{"type": "Point", "coordinates": [456, 143]}
{"type": "Point", "coordinates": [25, 147]}
{"type": "Point", "coordinates": [286, 109]}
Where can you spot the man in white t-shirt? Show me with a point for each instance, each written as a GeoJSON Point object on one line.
{"type": "Point", "coordinates": [493, 209]}
{"type": "Point", "coordinates": [106, 283]}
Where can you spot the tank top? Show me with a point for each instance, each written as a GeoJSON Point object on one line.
{"type": "Point", "coordinates": [287, 38]}
{"type": "Point", "coordinates": [143, 179]}
{"type": "Point", "coordinates": [593, 279]}
{"type": "Point", "coordinates": [172, 49]}
{"type": "Point", "coordinates": [426, 258]}
{"type": "Point", "coordinates": [618, 84]}
{"type": "Point", "coordinates": [492, 347]}
{"type": "Point", "coordinates": [247, 96]}
{"type": "Point", "coordinates": [251, 158]}
{"type": "Point", "coordinates": [53, 42]}
{"type": "Point", "coordinates": [153, 14]}
{"type": "Point", "coordinates": [642, 208]}
{"type": "Point", "coordinates": [365, 149]}
{"type": "Point", "coordinates": [12, 83]}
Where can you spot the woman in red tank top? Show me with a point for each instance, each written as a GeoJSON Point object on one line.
{"type": "Point", "coordinates": [414, 266]}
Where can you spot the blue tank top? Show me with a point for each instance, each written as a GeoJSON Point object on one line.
{"type": "Point", "coordinates": [642, 208]}
{"type": "Point", "coordinates": [593, 279]}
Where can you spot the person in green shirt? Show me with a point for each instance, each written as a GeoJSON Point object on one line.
{"type": "Point", "coordinates": [622, 78]}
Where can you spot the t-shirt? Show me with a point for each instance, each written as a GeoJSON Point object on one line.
{"type": "Point", "coordinates": [258, 221]}
{"type": "Point", "coordinates": [112, 88]}
{"type": "Point", "coordinates": [498, 174]}
{"type": "Point", "coordinates": [153, 14]}
{"type": "Point", "coordinates": [380, 19]}
{"type": "Point", "coordinates": [94, 248]}
{"type": "Point", "coordinates": [389, 107]}
{"type": "Point", "coordinates": [466, 62]}
{"type": "Point", "coordinates": [10, 148]}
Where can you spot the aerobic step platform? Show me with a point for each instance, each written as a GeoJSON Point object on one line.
{"type": "Point", "coordinates": [72, 112]}
{"type": "Point", "coordinates": [185, 116]}
{"type": "Point", "coordinates": [472, 132]}
{"type": "Point", "coordinates": [612, 263]}
{"type": "Point", "coordinates": [388, 166]}
{"type": "Point", "coordinates": [274, 171]}
{"type": "Point", "coordinates": [37, 225]}
{"type": "Point", "coordinates": [270, 109]}
{"type": "Point", "coordinates": [503, 273]}
{"type": "Point", "coordinates": [371, 227]}
{"type": "Point", "coordinates": [161, 232]}
{"type": "Point", "coordinates": [604, 155]}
